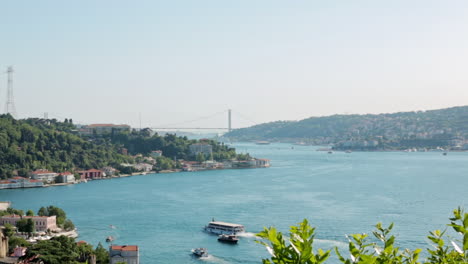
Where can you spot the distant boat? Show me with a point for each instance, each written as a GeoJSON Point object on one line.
{"type": "Point", "coordinates": [330, 152]}
{"type": "Point", "coordinates": [109, 239]}
{"type": "Point", "coordinates": [200, 252]}
{"type": "Point", "coordinates": [228, 238]}
{"type": "Point", "coordinates": [445, 154]}
{"type": "Point", "coordinates": [262, 143]}
{"type": "Point", "coordinates": [348, 151]}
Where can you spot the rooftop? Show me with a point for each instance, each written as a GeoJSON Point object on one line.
{"type": "Point", "coordinates": [124, 248]}
{"type": "Point", "coordinates": [225, 224]}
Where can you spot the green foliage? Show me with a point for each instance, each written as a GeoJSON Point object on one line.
{"type": "Point", "coordinates": [363, 251]}
{"type": "Point", "coordinates": [299, 248]}
{"type": "Point", "coordinates": [61, 216]}
{"type": "Point", "coordinates": [164, 163]}
{"type": "Point", "coordinates": [31, 144]}
{"type": "Point", "coordinates": [62, 249]}
{"type": "Point", "coordinates": [30, 213]}
{"type": "Point", "coordinates": [68, 225]}
{"type": "Point", "coordinates": [11, 211]}
{"type": "Point", "coordinates": [102, 255]}
{"type": "Point", "coordinates": [57, 250]}
{"type": "Point", "coordinates": [8, 230]}
{"type": "Point", "coordinates": [171, 145]}
{"type": "Point", "coordinates": [391, 131]}
{"type": "Point", "coordinates": [15, 241]}
{"type": "Point", "coordinates": [26, 225]}
{"type": "Point", "coordinates": [200, 157]}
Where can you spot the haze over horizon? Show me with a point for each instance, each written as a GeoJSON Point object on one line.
{"type": "Point", "coordinates": [108, 61]}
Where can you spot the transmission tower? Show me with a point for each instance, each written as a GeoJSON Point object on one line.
{"type": "Point", "coordinates": [10, 103]}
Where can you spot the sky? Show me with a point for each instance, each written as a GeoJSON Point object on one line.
{"type": "Point", "coordinates": [165, 63]}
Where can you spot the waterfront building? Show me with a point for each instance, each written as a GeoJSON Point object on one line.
{"type": "Point", "coordinates": [126, 254]}
{"type": "Point", "coordinates": [203, 148]}
{"type": "Point", "coordinates": [262, 163]}
{"type": "Point", "coordinates": [109, 171]}
{"type": "Point", "coordinates": [156, 153]}
{"type": "Point", "coordinates": [44, 175]}
{"type": "Point", "coordinates": [41, 223]}
{"type": "Point", "coordinates": [143, 167]}
{"type": "Point", "coordinates": [20, 182]}
{"type": "Point", "coordinates": [91, 174]}
{"type": "Point", "coordinates": [103, 129]}
{"type": "Point", "coordinates": [66, 177]}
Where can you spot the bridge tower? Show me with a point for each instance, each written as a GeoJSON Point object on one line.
{"type": "Point", "coordinates": [229, 121]}
{"type": "Point", "coordinates": [10, 103]}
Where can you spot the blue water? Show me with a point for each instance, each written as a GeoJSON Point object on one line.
{"type": "Point", "coordinates": [339, 193]}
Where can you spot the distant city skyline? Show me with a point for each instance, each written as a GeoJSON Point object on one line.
{"type": "Point", "coordinates": [267, 60]}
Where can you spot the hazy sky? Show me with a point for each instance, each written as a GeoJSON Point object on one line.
{"type": "Point", "coordinates": [171, 61]}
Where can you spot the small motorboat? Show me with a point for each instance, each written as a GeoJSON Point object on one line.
{"type": "Point", "coordinates": [200, 252]}
{"type": "Point", "coordinates": [109, 239]}
{"type": "Point", "coordinates": [228, 238]}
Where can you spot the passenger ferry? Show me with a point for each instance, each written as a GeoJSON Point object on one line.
{"type": "Point", "coordinates": [221, 228]}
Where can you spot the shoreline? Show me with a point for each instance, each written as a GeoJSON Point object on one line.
{"type": "Point", "coordinates": [126, 175]}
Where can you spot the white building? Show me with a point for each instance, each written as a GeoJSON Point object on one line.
{"type": "Point", "coordinates": [206, 149]}
{"type": "Point", "coordinates": [66, 177]}
{"type": "Point", "coordinates": [143, 167]}
{"type": "Point", "coordinates": [44, 175]}
{"type": "Point", "coordinates": [156, 153]}
{"type": "Point", "coordinates": [126, 254]}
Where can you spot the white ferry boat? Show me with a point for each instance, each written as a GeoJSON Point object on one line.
{"type": "Point", "coordinates": [221, 228]}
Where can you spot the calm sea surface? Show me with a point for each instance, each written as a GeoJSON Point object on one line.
{"type": "Point", "coordinates": [339, 193]}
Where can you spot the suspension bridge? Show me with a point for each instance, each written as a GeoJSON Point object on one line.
{"type": "Point", "coordinates": [180, 126]}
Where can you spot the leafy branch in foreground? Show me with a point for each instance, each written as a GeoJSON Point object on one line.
{"type": "Point", "coordinates": [299, 249]}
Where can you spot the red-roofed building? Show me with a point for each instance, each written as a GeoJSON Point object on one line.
{"type": "Point", "coordinates": [91, 174]}
{"type": "Point", "coordinates": [128, 254]}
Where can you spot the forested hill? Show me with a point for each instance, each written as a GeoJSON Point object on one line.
{"type": "Point", "coordinates": [31, 144]}
{"type": "Point", "coordinates": [398, 130]}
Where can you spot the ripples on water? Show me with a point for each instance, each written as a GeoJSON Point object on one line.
{"type": "Point", "coordinates": [339, 193]}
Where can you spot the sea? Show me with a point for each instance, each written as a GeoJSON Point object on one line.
{"type": "Point", "coordinates": [339, 193]}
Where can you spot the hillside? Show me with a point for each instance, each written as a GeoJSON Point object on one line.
{"type": "Point", "coordinates": [31, 144]}
{"type": "Point", "coordinates": [422, 129]}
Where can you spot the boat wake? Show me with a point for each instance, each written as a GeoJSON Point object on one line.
{"type": "Point", "coordinates": [247, 235]}
{"type": "Point", "coordinates": [213, 259]}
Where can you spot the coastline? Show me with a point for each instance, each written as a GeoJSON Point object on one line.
{"type": "Point", "coordinates": [129, 175]}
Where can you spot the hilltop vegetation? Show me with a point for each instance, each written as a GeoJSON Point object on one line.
{"type": "Point", "coordinates": [435, 128]}
{"type": "Point", "coordinates": [30, 144]}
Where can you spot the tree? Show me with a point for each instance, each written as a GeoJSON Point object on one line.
{"type": "Point", "coordinates": [300, 247]}
{"type": "Point", "coordinates": [30, 213]}
{"type": "Point", "coordinates": [43, 212]}
{"type": "Point", "coordinates": [68, 225]}
{"type": "Point", "coordinates": [8, 230]}
{"type": "Point", "coordinates": [102, 255]}
{"type": "Point", "coordinates": [200, 157]}
{"type": "Point", "coordinates": [59, 213]}
{"type": "Point", "coordinates": [15, 241]}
